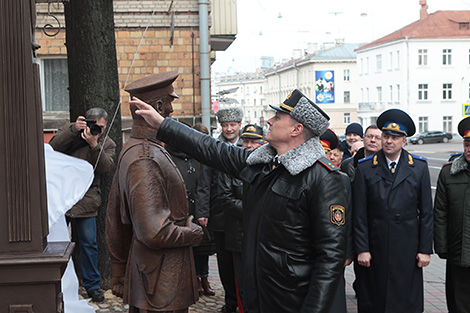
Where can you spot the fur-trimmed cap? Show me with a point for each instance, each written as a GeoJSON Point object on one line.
{"type": "Point", "coordinates": [301, 108]}
{"type": "Point", "coordinates": [229, 115]}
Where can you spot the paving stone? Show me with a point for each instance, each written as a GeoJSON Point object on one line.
{"type": "Point", "coordinates": [434, 292]}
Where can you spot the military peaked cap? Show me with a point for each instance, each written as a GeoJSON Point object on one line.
{"type": "Point", "coordinates": [329, 140]}
{"type": "Point", "coordinates": [396, 122]}
{"type": "Point", "coordinates": [153, 86]}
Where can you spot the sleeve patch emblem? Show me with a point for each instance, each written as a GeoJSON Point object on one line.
{"type": "Point", "coordinates": [337, 215]}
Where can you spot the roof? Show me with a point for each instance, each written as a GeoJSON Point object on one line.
{"type": "Point", "coordinates": [343, 51]}
{"type": "Point", "coordinates": [437, 25]}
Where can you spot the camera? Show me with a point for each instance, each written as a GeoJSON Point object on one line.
{"type": "Point", "coordinates": [94, 128]}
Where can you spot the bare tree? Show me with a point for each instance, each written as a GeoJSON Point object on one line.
{"type": "Point", "coordinates": [94, 82]}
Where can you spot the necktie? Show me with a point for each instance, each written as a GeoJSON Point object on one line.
{"type": "Point", "coordinates": [392, 167]}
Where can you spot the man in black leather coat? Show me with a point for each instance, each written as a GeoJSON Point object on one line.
{"type": "Point", "coordinates": [294, 202]}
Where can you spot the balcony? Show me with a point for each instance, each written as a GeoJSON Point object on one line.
{"type": "Point", "coordinates": [224, 24]}
{"type": "Point", "coordinates": [364, 107]}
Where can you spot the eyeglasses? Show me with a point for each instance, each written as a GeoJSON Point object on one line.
{"type": "Point", "coordinates": [372, 137]}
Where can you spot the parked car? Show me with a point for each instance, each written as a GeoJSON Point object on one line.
{"type": "Point", "coordinates": [431, 136]}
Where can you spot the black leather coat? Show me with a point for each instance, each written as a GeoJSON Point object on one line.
{"type": "Point", "coordinates": [294, 252]}
{"type": "Point", "coordinates": [208, 203]}
{"type": "Point", "coordinates": [230, 193]}
{"type": "Point", "coordinates": [349, 165]}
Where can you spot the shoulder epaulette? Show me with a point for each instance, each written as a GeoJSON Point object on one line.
{"type": "Point", "coordinates": [365, 159]}
{"type": "Point", "coordinates": [448, 163]}
{"type": "Point", "coordinates": [328, 164]}
{"type": "Point", "coordinates": [418, 157]}
{"type": "Point", "coordinates": [454, 156]}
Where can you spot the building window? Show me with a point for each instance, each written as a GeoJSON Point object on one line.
{"type": "Point", "coordinates": [367, 66]}
{"type": "Point", "coordinates": [423, 92]}
{"type": "Point", "coordinates": [423, 124]}
{"type": "Point", "coordinates": [447, 123]}
{"type": "Point", "coordinates": [362, 65]}
{"type": "Point", "coordinates": [347, 97]}
{"type": "Point", "coordinates": [379, 94]}
{"type": "Point", "coordinates": [347, 118]}
{"type": "Point", "coordinates": [398, 93]}
{"type": "Point", "coordinates": [260, 89]}
{"type": "Point", "coordinates": [422, 57]}
{"type": "Point", "coordinates": [447, 91]}
{"type": "Point", "coordinates": [346, 75]}
{"type": "Point", "coordinates": [254, 103]}
{"type": "Point", "coordinates": [362, 93]}
{"type": "Point", "coordinates": [367, 94]}
{"type": "Point", "coordinates": [378, 63]}
{"type": "Point", "coordinates": [463, 25]}
{"type": "Point", "coordinates": [390, 67]}
{"type": "Point", "coordinates": [447, 56]}
{"type": "Point", "coordinates": [243, 101]}
{"type": "Point", "coordinates": [55, 83]}
{"type": "Point", "coordinates": [398, 61]}
{"type": "Point", "coordinates": [391, 93]}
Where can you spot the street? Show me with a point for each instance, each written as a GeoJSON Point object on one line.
{"type": "Point", "coordinates": [437, 154]}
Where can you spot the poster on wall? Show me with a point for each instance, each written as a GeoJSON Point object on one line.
{"type": "Point", "coordinates": [325, 86]}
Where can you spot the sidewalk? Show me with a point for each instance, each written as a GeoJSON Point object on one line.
{"type": "Point", "coordinates": [434, 289]}
{"type": "Point", "coordinates": [434, 292]}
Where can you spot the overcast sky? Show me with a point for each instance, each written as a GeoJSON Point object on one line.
{"type": "Point", "coordinates": [277, 27]}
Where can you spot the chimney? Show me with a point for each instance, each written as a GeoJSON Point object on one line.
{"type": "Point", "coordinates": [423, 13]}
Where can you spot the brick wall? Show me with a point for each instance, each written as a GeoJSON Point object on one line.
{"type": "Point", "coordinates": [154, 54]}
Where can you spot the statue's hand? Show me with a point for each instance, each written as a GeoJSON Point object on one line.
{"type": "Point", "coordinates": [196, 230]}
{"type": "Point", "coordinates": [117, 286]}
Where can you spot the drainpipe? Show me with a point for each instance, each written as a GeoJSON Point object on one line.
{"type": "Point", "coordinates": [407, 105]}
{"type": "Point", "coordinates": [204, 55]}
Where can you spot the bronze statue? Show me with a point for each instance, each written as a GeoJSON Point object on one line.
{"type": "Point", "coordinates": [148, 229]}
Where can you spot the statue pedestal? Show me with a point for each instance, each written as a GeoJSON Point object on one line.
{"type": "Point", "coordinates": [29, 281]}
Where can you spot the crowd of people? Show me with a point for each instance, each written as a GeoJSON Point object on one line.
{"type": "Point", "coordinates": [284, 211]}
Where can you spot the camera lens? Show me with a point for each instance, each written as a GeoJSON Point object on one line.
{"type": "Point", "coordinates": [95, 129]}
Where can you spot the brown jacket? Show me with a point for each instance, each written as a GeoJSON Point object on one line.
{"type": "Point", "coordinates": [148, 232]}
{"type": "Point", "coordinates": [68, 141]}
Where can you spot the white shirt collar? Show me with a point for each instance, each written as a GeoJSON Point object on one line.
{"type": "Point", "coordinates": [390, 161]}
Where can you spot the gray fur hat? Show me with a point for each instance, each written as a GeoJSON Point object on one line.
{"type": "Point", "coordinates": [301, 108]}
{"type": "Point", "coordinates": [230, 115]}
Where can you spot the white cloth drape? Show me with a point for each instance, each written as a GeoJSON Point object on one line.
{"type": "Point", "coordinates": [67, 179]}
